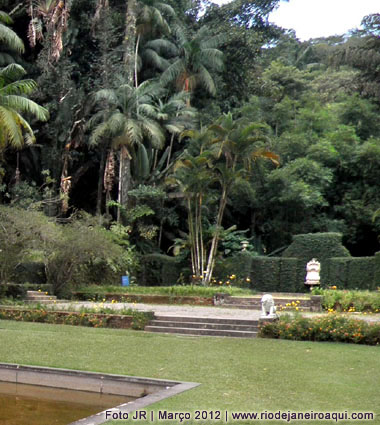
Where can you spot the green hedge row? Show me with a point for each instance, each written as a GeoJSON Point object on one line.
{"type": "Point", "coordinates": [287, 273]}
{"type": "Point", "coordinates": [279, 274]}
{"type": "Point", "coordinates": [159, 270]}
{"type": "Point", "coordinates": [276, 274]}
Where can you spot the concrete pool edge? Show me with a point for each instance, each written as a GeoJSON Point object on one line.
{"type": "Point", "coordinates": [149, 390]}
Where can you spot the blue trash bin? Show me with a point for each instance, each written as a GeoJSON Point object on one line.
{"type": "Point", "coordinates": [124, 280]}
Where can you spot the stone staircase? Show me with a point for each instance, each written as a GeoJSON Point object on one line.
{"type": "Point", "coordinates": [37, 297]}
{"type": "Point", "coordinates": [204, 326]}
{"type": "Point", "coordinates": [304, 302]}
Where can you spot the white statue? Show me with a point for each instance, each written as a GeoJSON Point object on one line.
{"type": "Point", "coordinates": [313, 269]}
{"type": "Point", "coordinates": [268, 309]}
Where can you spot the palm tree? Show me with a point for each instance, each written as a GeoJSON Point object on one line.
{"type": "Point", "coordinates": [196, 59]}
{"type": "Point", "coordinates": [175, 117]}
{"type": "Point", "coordinates": [151, 22]}
{"type": "Point", "coordinates": [53, 15]}
{"type": "Point", "coordinates": [127, 122]}
{"type": "Point", "coordinates": [14, 128]}
{"type": "Point", "coordinates": [194, 177]}
{"type": "Point", "coordinates": [10, 42]}
{"type": "Point", "coordinates": [235, 147]}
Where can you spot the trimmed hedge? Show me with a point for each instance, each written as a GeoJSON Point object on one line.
{"type": "Point", "coordinates": [376, 270]}
{"type": "Point", "coordinates": [316, 245]}
{"type": "Point", "coordinates": [276, 274]}
{"type": "Point", "coordinates": [321, 246]}
{"type": "Point", "coordinates": [352, 273]}
{"type": "Point", "coordinates": [159, 270]}
{"type": "Point", "coordinates": [338, 268]}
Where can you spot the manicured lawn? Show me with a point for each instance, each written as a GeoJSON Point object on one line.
{"type": "Point", "coordinates": [236, 374]}
{"type": "Point", "coordinates": [176, 290]}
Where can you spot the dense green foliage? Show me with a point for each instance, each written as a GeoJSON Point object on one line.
{"type": "Point", "coordinates": [142, 95]}
{"type": "Point", "coordinates": [77, 253]}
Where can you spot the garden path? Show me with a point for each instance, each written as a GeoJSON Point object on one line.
{"type": "Point", "coordinates": [197, 311]}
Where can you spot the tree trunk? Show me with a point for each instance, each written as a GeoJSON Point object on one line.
{"type": "Point", "coordinates": [125, 179]}
{"type": "Point", "coordinates": [130, 40]}
{"type": "Point", "coordinates": [99, 197]}
{"type": "Point", "coordinates": [129, 69]}
{"type": "Point", "coordinates": [215, 239]}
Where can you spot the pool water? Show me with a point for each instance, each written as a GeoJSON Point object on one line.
{"type": "Point", "coordinates": [22, 404]}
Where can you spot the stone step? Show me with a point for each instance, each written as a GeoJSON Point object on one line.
{"type": "Point", "coordinates": [204, 332]}
{"type": "Point", "coordinates": [256, 300]}
{"type": "Point", "coordinates": [201, 325]}
{"type": "Point", "coordinates": [186, 325]}
{"type": "Point", "coordinates": [185, 319]}
{"type": "Point", "coordinates": [35, 293]}
{"type": "Point", "coordinates": [40, 298]}
{"type": "Point", "coordinates": [43, 301]}
{"type": "Point", "coordinates": [258, 307]}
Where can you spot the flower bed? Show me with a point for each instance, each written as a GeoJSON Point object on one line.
{"type": "Point", "coordinates": [349, 300]}
{"type": "Point", "coordinates": [136, 320]}
{"type": "Point", "coordinates": [333, 328]}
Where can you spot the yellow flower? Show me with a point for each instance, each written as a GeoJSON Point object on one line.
{"type": "Point", "coordinates": [248, 279]}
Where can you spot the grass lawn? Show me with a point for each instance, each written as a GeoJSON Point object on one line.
{"type": "Point", "coordinates": [176, 290]}
{"type": "Point", "coordinates": [236, 374]}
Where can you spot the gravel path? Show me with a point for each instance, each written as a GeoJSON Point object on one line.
{"type": "Point", "coordinates": [197, 311]}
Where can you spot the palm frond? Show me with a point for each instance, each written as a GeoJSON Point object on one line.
{"type": "Point", "coordinates": [212, 57]}
{"type": "Point", "coordinates": [162, 47]}
{"type": "Point", "coordinates": [205, 79]}
{"type": "Point", "coordinates": [154, 133]}
{"type": "Point", "coordinates": [152, 58]}
{"type": "Point", "coordinates": [5, 18]}
{"type": "Point", "coordinates": [147, 110]}
{"type": "Point", "coordinates": [18, 87]}
{"type": "Point", "coordinates": [10, 128]}
{"type": "Point", "coordinates": [11, 39]}
{"type": "Point", "coordinates": [116, 123]}
{"type": "Point", "coordinates": [173, 72]}
{"type": "Point", "coordinates": [99, 133]}
{"type": "Point", "coordinates": [11, 73]}
{"type": "Point", "coordinates": [134, 131]}
{"type": "Point", "coordinates": [22, 104]}
{"type": "Point", "coordinates": [106, 95]}
{"type": "Point", "coordinates": [6, 58]}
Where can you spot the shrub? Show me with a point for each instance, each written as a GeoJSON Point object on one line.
{"type": "Point", "coordinates": [12, 291]}
{"type": "Point", "coordinates": [77, 253]}
{"type": "Point", "coordinates": [22, 233]}
{"type": "Point", "coordinates": [85, 317]}
{"type": "Point", "coordinates": [332, 328]}
{"type": "Point", "coordinates": [86, 254]}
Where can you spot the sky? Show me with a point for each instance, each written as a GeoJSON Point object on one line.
{"type": "Point", "coordinates": [321, 18]}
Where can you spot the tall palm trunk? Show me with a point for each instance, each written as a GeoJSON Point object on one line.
{"type": "Point", "coordinates": [130, 40]}
{"type": "Point", "coordinates": [125, 179]}
{"type": "Point", "coordinates": [129, 69]}
{"type": "Point", "coordinates": [99, 195]}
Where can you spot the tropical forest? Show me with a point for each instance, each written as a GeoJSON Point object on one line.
{"type": "Point", "coordinates": [159, 138]}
